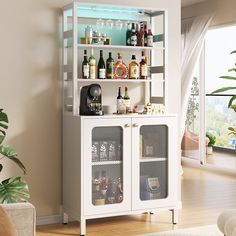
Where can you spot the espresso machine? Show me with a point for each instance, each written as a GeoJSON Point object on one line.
{"type": "Point", "coordinates": [91, 100]}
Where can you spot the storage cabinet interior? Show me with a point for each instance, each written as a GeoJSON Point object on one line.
{"type": "Point", "coordinates": [153, 180]}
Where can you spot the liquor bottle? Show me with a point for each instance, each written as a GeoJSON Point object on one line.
{"type": "Point", "coordinates": [119, 191]}
{"type": "Point", "coordinates": [126, 100]}
{"type": "Point", "coordinates": [110, 67]}
{"type": "Point", "coordinates": [92, 67]}
{"type": "Point", "coordinates": [120, 69]}
{"type": "Point", "coordinates": [141, 36]}
{"type": "Point", "coordinates": [85, 66]}
{"type": "Point", "coordinates": [128, 35]}
{"type": "Point", "coordinates": [133, 37]}
{"type": "Point", "coordinates": [110, 194]}
{"type": "Point", "coordinates": [133, 68]}
{"type": "Point", "coordinates": [145, 35]}
{"type": "Point", "coordinates": [119, 102]}
{"type": "Point", "coordinates": [101, 67]}
{"type": "Point", "coordinates": [103, 184]}
{"type": "Point", "coordinates": [149, 38]}
{"type": "Point", "coordinates": [143, 67]}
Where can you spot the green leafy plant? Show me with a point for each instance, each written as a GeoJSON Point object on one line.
{"type": "Point", "coordinates": [212, 139]}
{"type": "Point", "coordinates": [13, 189]}
{"type": "Point", "coordinates": [231, 103]}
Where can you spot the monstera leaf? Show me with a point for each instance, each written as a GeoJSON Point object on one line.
{"type": "Point", "coordinates": [13, 190]}
{"type": "Point", "coordinates": [12, 155]}
{"type": "Point", "coordinates": [3, 125]}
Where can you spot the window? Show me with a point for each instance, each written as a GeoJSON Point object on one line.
{"type": "Point", "coordinates": [218, 117]}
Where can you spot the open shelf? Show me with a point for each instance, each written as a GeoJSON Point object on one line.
{"type": "Point", "coordinates": [99, 163]}
{"type": "Point", "coordinates": [118, 80]}
{"type": "Point", "coordinates": [152, 159]}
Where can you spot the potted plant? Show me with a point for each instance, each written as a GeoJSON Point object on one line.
{"type": "Point", "coordinates": [12, 189]}
{"type": "Point", "coordinates": [211, 142]}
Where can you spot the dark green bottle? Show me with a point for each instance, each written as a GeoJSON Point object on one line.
{"type": "Point", "coordinates": [110, 67]}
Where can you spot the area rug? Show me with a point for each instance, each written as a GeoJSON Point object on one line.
{"type": "Point", "coordinates": [208, 230]}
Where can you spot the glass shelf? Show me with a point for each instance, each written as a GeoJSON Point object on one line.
{"type": "Point", "coordinates": [119, 47]}
{"type": "Point", "coordinates": [119, 80]}
{"type": "Point", "coordinates": [99, 163]}
{"type": "Point", "coordinates": [152, 159]}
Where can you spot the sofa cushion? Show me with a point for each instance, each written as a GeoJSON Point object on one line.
{"type": "Point", "coordinates": [6, 226]}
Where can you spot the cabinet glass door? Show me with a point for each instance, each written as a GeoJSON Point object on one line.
{"type": "Point", "coordinates": [107, 162]}
{"type": "Point", "coordinates": [153, 162]}
{"type": "Point", "coordinates": [107, 165]}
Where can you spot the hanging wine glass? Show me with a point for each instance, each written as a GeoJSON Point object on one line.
{"type": "Point", "coordinates": [109, 24]}
{"type": "Point", "coordinates": [119, 24]}
{"type": "Point", "coordinates": [100, 23]}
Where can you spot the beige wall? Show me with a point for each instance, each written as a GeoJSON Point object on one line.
{"type": "Point", "coordinates": [31, 95]}
{"type": "Point", "coordinates": [224, 11]}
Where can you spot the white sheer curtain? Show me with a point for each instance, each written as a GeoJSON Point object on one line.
{"type": "Point", "coordinates": [193, 34]}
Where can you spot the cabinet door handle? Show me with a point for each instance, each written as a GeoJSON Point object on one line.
{"type": "Point", "coordinates": [135, 125]}
{"type": "Point", "coordinates": [127, 125]}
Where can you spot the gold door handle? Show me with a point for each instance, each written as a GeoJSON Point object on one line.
{"type": "Point", "coordinates": [127, 125]}
{"type": "Point", "coordinates": [135, 125]}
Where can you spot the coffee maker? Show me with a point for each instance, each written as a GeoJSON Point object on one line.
{"type": "Point", "coordinates": [91, 100]}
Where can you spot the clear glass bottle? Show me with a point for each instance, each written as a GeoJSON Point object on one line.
{"type": "Point", "coordinates": [120, 69]}
{"type": "Point", "coordinates": [133, 68]}
{"type": "Point", "coordinates": [92, 67]}
{"type": "Point", "coordinates": [143, 67]}
{"type": "Point", "coordinates": [127, 100]}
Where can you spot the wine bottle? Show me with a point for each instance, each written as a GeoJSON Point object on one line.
{"type": "Point", "coordinates": [92, 67]}
{"type": "Point", "coordinates": [145, 35]}
{"type": "Point", "coordinates": [133, 37]}
{"type": "Point", "coordinates": [120, 69]}
{"type": "Point", "coordinates": [127, 100]}
{"type": "Point", "coordinates": [149, 38]}
{"type": "Point", "coordinates": [101, 67]}
{"type": "Point", "coordinates": [119, 102]}
{"type": "Point", "coordinates": [133, 68]}
{"type": "Point", "coordinates": [85, 66]}
{"type": "Point", "coordinates": [110, 67]}
{"type": "Point", "coordinates": [128, 35]}
{"type": "Point", "coordinates": [143, 67]}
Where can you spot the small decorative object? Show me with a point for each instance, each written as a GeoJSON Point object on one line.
{"type": "Point", "coordinates": [89, 34]}
{"type": "Point", "coordinates": [154, 109]}
{"type": "Point", "coordinates": [151, 189]}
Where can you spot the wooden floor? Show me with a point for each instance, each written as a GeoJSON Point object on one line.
{"type": "Point", "coordinates": [204, 196]}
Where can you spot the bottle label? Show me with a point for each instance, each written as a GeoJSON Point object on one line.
{"type": "Point", "coordinates": [127, 103]}
{"type": "Point", "coordinates": [144, 70]}
{"type": "Point", "coordinates": [133, 40]}
{"type": "Point", "coordinates": [134, 73]}
{"type": "Point", "coordinates": [86, 70]}
{"type": "Point", "coordinates": [92, 72]}
{"type": "Point", "coordinates": [102, 73]}
{"type": "Point", "coordinates": [149, 40]}
{"type": "Point", "coordinates": [110, 70]}
{"type": "Point", "coordinates": [120, 106]}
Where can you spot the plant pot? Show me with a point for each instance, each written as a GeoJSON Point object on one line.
{"type": "Point", "coordinates": [209, 150]}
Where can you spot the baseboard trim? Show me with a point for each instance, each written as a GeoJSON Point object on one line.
{"type": "Point", "coordinates": [48, 220]}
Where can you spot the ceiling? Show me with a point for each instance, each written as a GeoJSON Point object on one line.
{"type": "Point", "coordinates": [185, 3]}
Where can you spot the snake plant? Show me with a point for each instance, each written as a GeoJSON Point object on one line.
{"type": "Point", "coordinates": [12, 189]}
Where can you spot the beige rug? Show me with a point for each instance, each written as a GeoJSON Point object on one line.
{"type": "Point", "coordinates": [208, 230]}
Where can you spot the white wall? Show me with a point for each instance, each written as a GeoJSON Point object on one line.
{"type": "Point", "coordinates": [224, 11]}
{"type": "Point", "coordinates": [30, 88]}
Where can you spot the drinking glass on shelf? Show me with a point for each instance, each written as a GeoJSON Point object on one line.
{"type": "Point", "coordinates": [119, 24]}
{"type": "Point", "coordinates": [109, 24]}
{"type": "Point", "coordinates": [100, 23]}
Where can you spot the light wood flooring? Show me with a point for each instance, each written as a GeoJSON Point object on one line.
{"type": "Point", "coordinates": [204, 196]}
